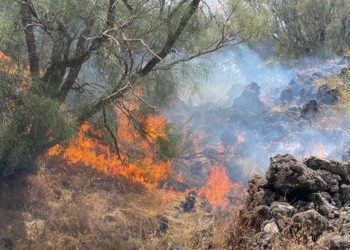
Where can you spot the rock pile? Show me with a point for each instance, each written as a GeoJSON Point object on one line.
{"type": "Point", "coordinates": [308, 199]}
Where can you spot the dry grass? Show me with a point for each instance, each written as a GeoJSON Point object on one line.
{"type": "Point", "coordinates": [77, 208]}
{"type": "Point", "coordinates": [332, 81]}
{"type": "Point", "coordinates": [65, 207]}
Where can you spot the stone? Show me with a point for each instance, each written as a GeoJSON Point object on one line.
{"type": "Point", "coordinates": [280, 212]}
{"type": "Point", "coordinates": [176, 246]}
{"type": "Point", "coordinates": [335, 242]}
{"type": "Point", "coordinates": [314, 223]}
{"type": "Point", "coordinates": [328, 96]}
{"type": "Point", "coordinates": [322, 205]}
{"type": "Point", "coordinates": [6, 242]}
{"type": "Point", "coordinates": [163, 224]}
{"type": "Point", "coordinates": [344, 192]}
{"type": "Point", "coordinates": [189, 202]}
{"type": "Point", "coordinates": [307, 92]}
{"type": "Point", "coordinates": [331, 179]}
{"type": "Point", "coordinates": [271, 227]}
{"type": "Point", "coordinates": [332, 166]}
{"type": "Point", "coordinates": [287, 94]}
{"type": "Point", "coordinates": [249, 100]}
{"type": "Point", "coordinates": [286, 175]}
{"type": "Point", "coordinates": [311, 111]}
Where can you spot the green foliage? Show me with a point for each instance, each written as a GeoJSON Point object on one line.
{"type": "Point", "coordinates": [169, 147]}
{"type": "Point", "coordinates": [28, 122]}
{"type": "Point", "coordinates": [310, 27]}
{"type": "Point", "coordinates": [80, 58]}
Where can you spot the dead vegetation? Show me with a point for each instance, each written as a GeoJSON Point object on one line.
{"type": "Point", "coordinates": [76, 208]}
{"type": "Point", "coordinates": [66, 207]}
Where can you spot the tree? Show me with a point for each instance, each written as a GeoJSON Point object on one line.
{"type": "Point", "coordinates": [73, 61]}
{"type": "Point", "coordinates": [310, 27]}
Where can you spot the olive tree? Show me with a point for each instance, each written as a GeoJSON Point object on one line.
{"type": "Point", "coordinates": [70, 61]}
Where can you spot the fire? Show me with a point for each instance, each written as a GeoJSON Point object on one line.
{"type": "Point", "coordinates": [270, 145]}
{"type": "Point", "coordinates": [88, 149]}
{"type": "Point", "coordinates": [6, 60]}
{"type": "Point", "coordinates": [179, 177]}
{"type": "Point", "coordinates": [319, 150]}
{"type": "Point", "coordinates": [135, 158]}
{"type": "Point", "coordinates": [7, 67]}
{"type": "Point", "coordinates": [240, 139]}
{"type": "Point", "coordinates": [218, 187]}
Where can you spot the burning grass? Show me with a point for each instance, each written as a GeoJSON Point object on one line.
{"type": "Point", "coordinates": [80, 208]}
{"type": "Point", "coordinates": [90, 151]}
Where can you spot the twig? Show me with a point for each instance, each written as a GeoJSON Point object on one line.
{"type": "Point", "coordinates": [111, 132]}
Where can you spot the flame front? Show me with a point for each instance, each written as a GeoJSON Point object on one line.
{"type": "Point", "coordinates": [88, 149]}
{"type": "Point", "coordinates": [218, 187]}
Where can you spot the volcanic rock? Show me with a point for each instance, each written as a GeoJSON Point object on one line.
{"type": "Point", "coordinates": [344, 192]}
{"type": "Point", "coordinates": [307, 92]}
{"type": "Point", "coordinates": [311, 111]}
{"type": "Point", "coordinates": [335, 241]}
{"type": "Point", "coordinates": [311, 197]}
{"type": "Point", "coordinates": [279, 211]}
{"type": "Point", "coordinates": [287, 94]}
{"type": "Point", "coordinates": [331, 166]}
{"type": "Point", "coordinates": [163, 224]}
{"type": "Point", "coordinates": [249, 100]}
{"type": "Point", "coordinates": [312, 221]}
{"type": "Point", "coordinates": [271, 227]}
{"type": "Point", "coordinates": [323, 206]}
{"type": "Point", "coordinates": [286, 175]}
{"type": "Point", "coordinates": [235, 91]}
{"type": "Point", "coordinates": [331, 179]}
{"type": "Point", "coordinates": [176, 246]}
{"type": "Point", "coordinates": [328, 96]}
{"type": "Point", "coordinates": [7, 243]}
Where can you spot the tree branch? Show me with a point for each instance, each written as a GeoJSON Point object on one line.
{"type": "Point", "coordinates": [172, 37]}
{"type": "Point", "coordinates": [30, 38]}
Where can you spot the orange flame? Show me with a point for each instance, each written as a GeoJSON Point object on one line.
{"type": "Point", "coordinates": [6, 60]}
{"type": "Point", "coordinates": [88, 149]}
{"type": "Point", "coordinates": [8, 68]}
{"type": "Point", "coordinates": [240, 139]}
{"type": "Point", "coordinates": [179, 177]}
{"type": "Point", "coordinates": [319, 150]}
{"type": "Point", "coordinates": [218, 187]}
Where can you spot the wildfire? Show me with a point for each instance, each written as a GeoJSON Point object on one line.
{"type": "Point", "coordinates": [6, 60]}
{"type": "Point", "coordinates": [218, 187]}
{"type": "Point", "coordinates": [8, 68]}
{"type": "Point", "coordinates": [88, 149]}
{"type": "Point", "coordinates": [319, 150]}
{"type": "Point", "coordinates": [135, 158]}
{"type": "Point", "coordinates": [179, 177]}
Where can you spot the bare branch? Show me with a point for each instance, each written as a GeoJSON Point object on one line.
{"type": "Point", "coordinates": [111, 132]}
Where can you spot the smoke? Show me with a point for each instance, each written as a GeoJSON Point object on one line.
{"type": "Point", "coordinates": [238, 66]}
{"type": "Point", "coordinates": [271, 113]}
